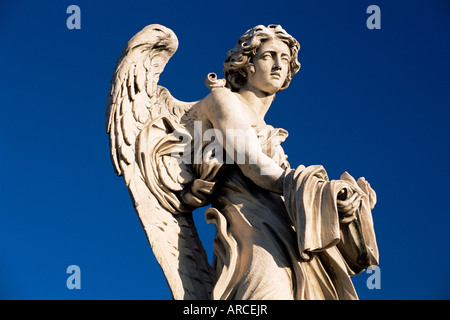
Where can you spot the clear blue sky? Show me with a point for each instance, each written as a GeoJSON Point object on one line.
{"type": "Point", "coordinates": [374, 103]}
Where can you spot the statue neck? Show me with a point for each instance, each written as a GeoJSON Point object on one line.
{"type": "Point", "coordinates": [259, 102]}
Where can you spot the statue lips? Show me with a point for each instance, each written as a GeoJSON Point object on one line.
{"type": "Point", "coordinates": [276, 75]}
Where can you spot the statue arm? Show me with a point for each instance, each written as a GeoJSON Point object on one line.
{"type": "Point", "coordinates": [223, 110]}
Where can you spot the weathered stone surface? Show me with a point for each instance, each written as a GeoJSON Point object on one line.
{"type": "Point", "coordinates": [281, 233]}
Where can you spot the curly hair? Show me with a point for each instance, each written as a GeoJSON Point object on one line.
{"type": "Point", "coordinates": [235, 66]}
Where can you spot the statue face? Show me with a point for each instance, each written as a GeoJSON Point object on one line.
{"type": "Point", "coordinates": [270, 66]}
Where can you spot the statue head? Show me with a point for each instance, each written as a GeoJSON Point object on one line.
{"type": "Point", "coordinates": [240, 57]}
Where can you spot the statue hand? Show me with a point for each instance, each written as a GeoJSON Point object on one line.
{"type": "Point", "coordinates": [348, 201]}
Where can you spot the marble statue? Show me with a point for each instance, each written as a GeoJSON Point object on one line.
{"type": "Point", "coordinates": [281, 232]}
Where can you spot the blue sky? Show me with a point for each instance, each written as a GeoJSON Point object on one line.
{"type": "Point", "coordinates": [374, 103]}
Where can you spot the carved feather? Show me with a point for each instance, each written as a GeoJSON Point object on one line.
{"type": "Point", "coordinates": [141, 117]}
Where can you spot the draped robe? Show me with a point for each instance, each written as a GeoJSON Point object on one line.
{"type": "Point", "coordinates": [290, 246]}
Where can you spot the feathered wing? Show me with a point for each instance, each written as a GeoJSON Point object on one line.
{"type": "Point", "coordinates": [141, 120]}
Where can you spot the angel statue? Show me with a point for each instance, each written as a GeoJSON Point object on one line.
{"type": "Point", "coordinates": [281, 233]}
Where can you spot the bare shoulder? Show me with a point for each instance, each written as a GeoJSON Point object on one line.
{"type": "Point", "coordinates": [222, 95]}
{"type": "Point", "coordinates": [220, 101]}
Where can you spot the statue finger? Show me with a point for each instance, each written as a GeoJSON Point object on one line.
{"type": "Point", "coordinates": [345, 203]}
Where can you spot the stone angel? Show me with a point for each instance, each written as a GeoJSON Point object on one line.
{"type": "Point", "coordinates": [281, 233]}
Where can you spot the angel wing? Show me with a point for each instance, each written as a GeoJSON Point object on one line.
{"type": "Point", "coordinates": [142, 119]}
